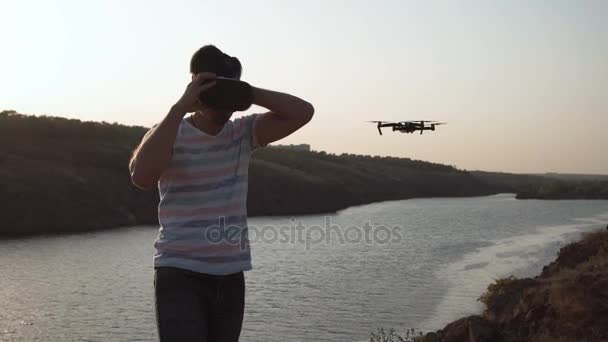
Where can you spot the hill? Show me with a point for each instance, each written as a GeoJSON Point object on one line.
{"type": "Point", "coordinates": [61, 175]}
{"type": "Point", "coordinates": [297, 182]}
{"type": "Point", "coordinates": [65, 175]}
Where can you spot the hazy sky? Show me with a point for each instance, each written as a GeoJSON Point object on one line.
{"type": "Point", "coordinates": [523, 84]}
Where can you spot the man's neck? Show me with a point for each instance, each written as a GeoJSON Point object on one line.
{"type": "Point", "coordinates": [204, 124]}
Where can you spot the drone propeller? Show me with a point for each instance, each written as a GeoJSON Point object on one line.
{"type": "Point", "coordinates": [440, 123]}
{"type": "Point", "coordinates": [422, 122]}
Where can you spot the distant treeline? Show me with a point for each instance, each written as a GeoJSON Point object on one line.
{"type": "Point", "coordinates": [65, 175]}
{"type": "Point", "coordinates": [550, 185]}
{"type": "Point", "coordinates": [560, 189]}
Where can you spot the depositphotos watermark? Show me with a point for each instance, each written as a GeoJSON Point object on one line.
{"type": "Point", "coordinates": [298, 233]}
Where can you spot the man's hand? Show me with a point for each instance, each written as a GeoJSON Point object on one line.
{"type": "Point", "coordinates": [287, 114]}
{"type": "Point", "coordinates": [189, 101]}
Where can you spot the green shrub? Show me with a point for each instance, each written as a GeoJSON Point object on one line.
{"type": "Point", "coordinates": [496, 289]}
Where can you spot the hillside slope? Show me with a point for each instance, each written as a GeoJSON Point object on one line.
{"type": "Point", "coordinates": [61, 175]}
{"type": "Point", "coordinates": [568, 301]}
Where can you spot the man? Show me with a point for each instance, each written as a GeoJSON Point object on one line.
{"type": "Point", "coordinates": [200, 163]}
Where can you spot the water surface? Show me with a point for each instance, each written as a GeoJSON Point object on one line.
{"type": "Point", "coordinates": [443, 253]}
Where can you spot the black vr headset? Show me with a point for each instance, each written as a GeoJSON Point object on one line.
{"type": "Point", "coordinates": [228, 93]}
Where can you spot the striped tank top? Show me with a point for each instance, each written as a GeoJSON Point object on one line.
{"type": "Point", "coordinates": [202, 210]}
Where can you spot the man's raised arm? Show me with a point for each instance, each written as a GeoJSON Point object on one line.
{"type": "Point", "coordinates": [287, 114]}
{"type": "Point", "coordinates": [153, 155]}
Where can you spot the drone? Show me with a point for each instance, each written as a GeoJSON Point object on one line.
{"type": "Point", "coordinates": [409, 126]}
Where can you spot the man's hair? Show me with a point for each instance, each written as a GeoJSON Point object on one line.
{"type": "Point", "coordinates": [211, 59]}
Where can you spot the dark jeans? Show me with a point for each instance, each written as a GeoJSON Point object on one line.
{"type": "Point", "coordinates": [192, 306]}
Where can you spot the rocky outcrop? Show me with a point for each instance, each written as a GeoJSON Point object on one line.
{"type": "Point", "coordinates": [568, 301]}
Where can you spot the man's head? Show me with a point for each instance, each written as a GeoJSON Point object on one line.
{"type": "Point", "coordinates": [211, 59]}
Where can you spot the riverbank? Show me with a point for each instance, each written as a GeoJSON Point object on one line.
{"type": "Point", "coordinates": [568, 301]}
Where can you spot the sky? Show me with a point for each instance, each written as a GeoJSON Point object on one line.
{"type": "Point", "coordinates": [523, 85]}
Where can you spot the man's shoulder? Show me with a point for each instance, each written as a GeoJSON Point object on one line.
{"type": "Point", "coordinates": [244, 119]}
{"type": "Point", "coordinates": [243, 125]}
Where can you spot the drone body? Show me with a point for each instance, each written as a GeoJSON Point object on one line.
{"type": "Point", "coordinates": [408, 126]}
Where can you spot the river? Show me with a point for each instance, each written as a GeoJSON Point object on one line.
{"type": "Point", "coordinates": [417, 263]}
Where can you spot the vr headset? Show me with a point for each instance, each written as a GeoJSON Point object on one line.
{"type": "Point", "coordinates": [228, 94]}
